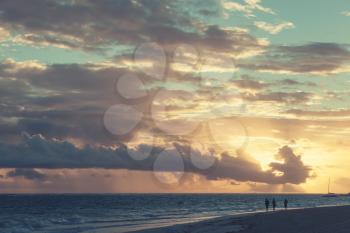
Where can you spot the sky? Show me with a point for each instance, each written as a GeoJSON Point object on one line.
{"type": "Point", "coordinates": [174, 96]}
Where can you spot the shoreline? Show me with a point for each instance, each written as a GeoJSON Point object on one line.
{"type": "Point", "coordinates": [325, 219]}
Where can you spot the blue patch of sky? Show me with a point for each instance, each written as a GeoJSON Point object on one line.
{"type": "Point", "coordinates": [315, 21]}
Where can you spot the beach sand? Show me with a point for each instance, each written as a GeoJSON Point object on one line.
{"type": "Point", "coordinates": [311, 220]}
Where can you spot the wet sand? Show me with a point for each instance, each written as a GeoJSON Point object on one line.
{"type": "Point", "coordinates": [311, 220]}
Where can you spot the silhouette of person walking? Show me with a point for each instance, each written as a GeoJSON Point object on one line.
{"type": "Point", "coordinates": [267, 204]}
{"type": "Point", "coordinates": [274, 204]}
{"type": "Point", "coordinates": [285, 204]}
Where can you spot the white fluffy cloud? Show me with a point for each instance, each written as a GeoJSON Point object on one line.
{"type": "Point", "coordinates": [273, 28]}
{"type": "Point", "coordinates": [249, 7]}
{"type": "Point", "coordinates": [4, 34]}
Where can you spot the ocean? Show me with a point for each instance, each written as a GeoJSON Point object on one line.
{"type": "Point", "coordinates": [116, 213]}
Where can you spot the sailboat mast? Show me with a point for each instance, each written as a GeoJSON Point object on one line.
{"type": "Point", "coordinates": [329, 181]}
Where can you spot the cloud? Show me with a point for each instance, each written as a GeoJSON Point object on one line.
{"type": "Point", "coordinates": [324, 113]}
{"type": "Point", "coordinates": [68, 101]}
{"type": "Point", "coordinates": [248, 8]}
{"type": "Point", "coordinates": [38, 152]}
{"type": "Point", "coordinates": [4, 34]}
{"type": "Point", "coordinates": [275, 188]}
{"type": "Point", "coordinates": [290, 82]}
{"type": "Point", "coordinates": [346, 13]}
{"type": "Point", "coordinates": [10, 67]}
{"type": "Point", "coordinates": [247, 83]}
{"type": "Point", "coordinates": [292, 167]}
{"type": "Point", "coordinates": [110, 23]}
{"type": "Point", "coordinates": [281, 97]}
{"type": "Point", "coordinates": [28, 173]}
{"type": "Point", "coordinates": [255, 4]}
{"type": "Point", "coordinates": [312, 58]}
{"type": "Point", "coordinates": [56, 40]}
{"type": "Point", "coordinates": [123, 21]}
{"type": "Point", "coordinates": [242, 169]}
{"type": "Point", "coordinates": [273, 28]}
{"type": "Point", "coordinates": [62, 101]}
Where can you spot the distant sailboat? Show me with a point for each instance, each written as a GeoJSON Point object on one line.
{"type": "Point", "coordinates": [329, 194]}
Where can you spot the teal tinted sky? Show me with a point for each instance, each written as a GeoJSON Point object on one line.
{"type": "Point", "coordinates": [322, 22]}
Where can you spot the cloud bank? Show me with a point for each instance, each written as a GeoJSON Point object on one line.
{"type": "Point", "coordinates": [38, 152]}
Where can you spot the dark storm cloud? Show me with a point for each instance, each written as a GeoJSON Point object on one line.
{"type": "Point", "coordinates": [83, 124]}
{"type": "Point", "coordinates": [91, 25]}
{"type": "Point", "coordinates": [37, 152]}
{"type": "Point", "coordinates": [57, 77]}
{"type": "Point", "coordinates": [242, 169]}
{"type": "Point", "coordinates": [61, 101]}
{"type": "Point", "coordinates": [292, 167]}
{"type": "Point", "coordinates": [28, 173]}
{"type": "Point", "coordinates": [319, 58]}
{"type": "Point", "coordinates": [91, 22]}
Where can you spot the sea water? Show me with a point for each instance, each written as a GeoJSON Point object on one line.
{"type": "Point", "coordinates": [116, 213]}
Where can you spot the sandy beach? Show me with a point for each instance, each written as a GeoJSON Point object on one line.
{"type": "Point", "coordinates": [311, 220]}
